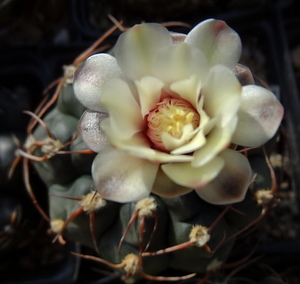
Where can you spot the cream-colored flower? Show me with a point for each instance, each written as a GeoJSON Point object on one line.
{"type": "Point", "coordinates": [164, 110]}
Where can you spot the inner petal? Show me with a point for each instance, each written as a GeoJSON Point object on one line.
{"type": "Point", "coordinates": [171, 117]}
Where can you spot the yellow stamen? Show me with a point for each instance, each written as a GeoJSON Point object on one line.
{"type": "Point", "coordinates": [170, 116]}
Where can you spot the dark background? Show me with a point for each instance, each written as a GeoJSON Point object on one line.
{"type": "Point", "coordinates": [38, 37]}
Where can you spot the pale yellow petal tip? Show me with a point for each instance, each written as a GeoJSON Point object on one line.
{"type": "Point", "coordinates": [193, 177]}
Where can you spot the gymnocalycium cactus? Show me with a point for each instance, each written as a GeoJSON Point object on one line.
{"type": "Point", "coordinates": [170, 117]}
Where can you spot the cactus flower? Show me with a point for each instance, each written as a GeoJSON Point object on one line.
{"type": "Point", "coordinates": [166, 112]}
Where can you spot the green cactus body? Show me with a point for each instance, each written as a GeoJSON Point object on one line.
{"type": "Point", "coordinates": [61, 208]}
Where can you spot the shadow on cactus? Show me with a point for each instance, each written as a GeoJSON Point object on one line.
{"type": "Point", "coordinates": [169, 163]}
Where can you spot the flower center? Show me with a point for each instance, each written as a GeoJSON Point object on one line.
{"type": "Point", "coordinates": [170, 116]}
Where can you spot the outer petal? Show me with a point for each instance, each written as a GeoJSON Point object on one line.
{"type": "Point", "coordinates": [179, 62]}
{"type": "Point", "coordinates": [165, 187]}
{"type": "Point", "coordinates": [177, 37]}
{"type": "Point", "coordinates": [219, 43]}
{"type": "Point", "coordinates": [222, 94]}
{"type": "Point", "coordinates": [90, 78]}
{"type": "Point", "coordinates": [124, 112]}
{"type": "Point", "coordinates": [259, 117]}
{"type": "Point", "coordinates": [92, 134]}
{"type": "Point", "coordinates": [243, 74]}
{"type": "Point", "coordinates": [136, 48]}
{"type": "Point", "coordinates": [121, 177]}
{"type": "Point", "coordinates": [231, 184]}
{"type": "Point", "coordinates": [186, 175]}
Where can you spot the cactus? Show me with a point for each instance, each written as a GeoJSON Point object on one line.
{"type": "Point", "coordinates": [142, 216]}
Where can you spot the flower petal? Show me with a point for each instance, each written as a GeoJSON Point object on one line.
{"type": "Point", "coordinates": [136, 48]}
{"type": "Point", "coordinates": [171, 143]}
{"type": "Point", "coordinates": [149, 91]}
{"type": "Point", "coordinates": [219, 43]}
{"type": "Point", "coordinates": [188, 89]}
{"type": "Point", "coordinates": [216, 141]}
{"type": "Point", "coordinates": [222, 94]}
{"type": "Point", "coordinates": [122, 178]}
{"type": "Point", "coordinates": [90, 78]}
{"type": "Point", "coordinates": [179, 62]}
{"type": "Point", "coordinates": [177, 37]}
{"type": "Point", "coordinates": [231, 184]}
{"type": "Point", "coordinates": [199, 139]}
{"type": "Point", "coordinates": [156, 156]}
{"type": "Point", "coordinates": [243, 74]}
{"type": "Point", "coordinates": [193, 177]}
{"type": "Point", "coordinates": [196, 142]}
{"type": "Point", "coordinates": [259, 117]}
{"type": "Point", "coordinates": [125, 117]}
{"type": "Point", "coordinates": [139, 146]}
{"type": "Point", "coordinates": [92, 134]}
{"type": "Point", "coordinates": [165, 187]}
